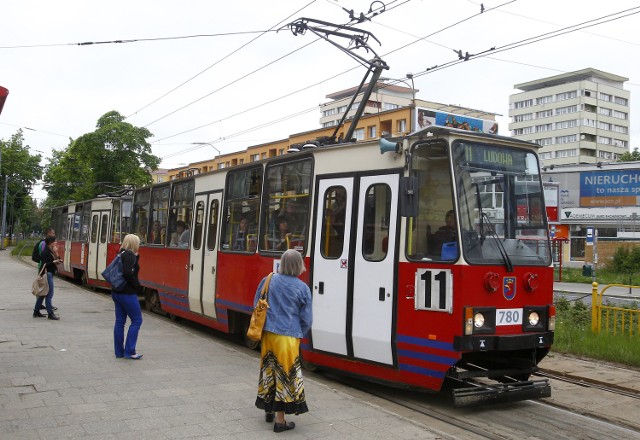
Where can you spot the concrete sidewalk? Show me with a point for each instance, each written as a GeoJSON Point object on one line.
{"type": "Point", "coordinates": [60, 379]}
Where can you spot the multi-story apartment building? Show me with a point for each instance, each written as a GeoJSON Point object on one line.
{"type": "Point", "coordinates": [577, 117]}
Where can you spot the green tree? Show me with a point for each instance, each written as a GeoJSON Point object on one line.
{"type": "Point", "coordinates": [110, 159]}
{"type": "Point", "coordinates": [20, 171]}
{"type": "Point", "coordinates": [630, 156]}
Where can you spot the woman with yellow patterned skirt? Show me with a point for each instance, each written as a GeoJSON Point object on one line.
{"type": "Point", "coordinates": [280, 385]}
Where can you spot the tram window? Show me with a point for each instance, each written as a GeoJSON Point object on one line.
{"type": "Point", "coordinates": [159, 215]}
{"type": "Point", "coordinates": [115, 233]}
{"type": "Point", "coordinates": [104, 228]}
{"type": "Point", "coordinates": [181, 206]}
{"type": "Point", "coordinates": [432, 233]}
{"type": "Point", "coordinates": [333, 218]}
{"type": "Point", "coordinates": [212, 228]}
{"type": "Point", "coordinates": [377, 209]}
{"type": "Point", "coordinates": [242, 207]}
{"type": "Point", "coordinates": [94, 228]}
{"type": "Point", "coordinates": [125, 225]}
{"type": "Point", "coordinates": [77, 218]}
{"type": "Point", "coordinates": [285, 213]}
{"type": "Point", "coordinates": [197, 226]}
{"type": "Point", "coordinates": [141, 214]}
{"type": "Point", "coordinates": [67, 227]}
{"type": "Point", "coordinates": [86, 218]}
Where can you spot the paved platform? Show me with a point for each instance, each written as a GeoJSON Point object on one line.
{"type": "Point", "coordinates": [60, 379]}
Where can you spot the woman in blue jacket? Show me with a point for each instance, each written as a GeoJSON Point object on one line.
{"type": "Point", "coordinates": [280, 385]}
{"type": "Point", "coordinates": [126, 301]}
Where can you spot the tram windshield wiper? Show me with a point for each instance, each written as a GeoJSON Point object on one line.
{"type": "Point", "coordinates": [503, 252]}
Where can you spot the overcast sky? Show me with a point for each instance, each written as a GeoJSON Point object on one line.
{"type": "Point", "coordinates": [233, 84]}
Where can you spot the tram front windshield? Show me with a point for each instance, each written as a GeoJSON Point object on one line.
{"type": "Point", "coordinates": [500, 205]}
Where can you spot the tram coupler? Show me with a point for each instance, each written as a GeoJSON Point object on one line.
{"type": "Point", "coordinates": [482, 394]}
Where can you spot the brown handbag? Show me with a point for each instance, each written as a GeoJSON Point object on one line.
{"type": "Point", "coordinates": [40, 286]}
{"type": "Point", "coordinates": [259, 315]}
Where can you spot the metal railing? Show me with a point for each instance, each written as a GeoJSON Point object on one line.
{"type": "Point", "coordinates": [613, 319]}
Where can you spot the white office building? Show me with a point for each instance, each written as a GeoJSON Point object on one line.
{"type": "Point", "coordinates": [577, 117]}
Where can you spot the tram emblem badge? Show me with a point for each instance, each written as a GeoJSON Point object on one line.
{"type": "Point", "coordinates": [509, 288]}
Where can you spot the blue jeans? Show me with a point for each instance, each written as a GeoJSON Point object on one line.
{"type": "Point", "coordinates": [126, 305]}
{"type": "Point", "coordinates": [47, 299]}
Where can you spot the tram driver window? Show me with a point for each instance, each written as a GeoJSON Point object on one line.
{"type": "Point", "coordinates": [432, 233]}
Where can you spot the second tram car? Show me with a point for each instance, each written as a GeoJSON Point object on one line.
{"type": "Point", "coordinates": [428, 258]}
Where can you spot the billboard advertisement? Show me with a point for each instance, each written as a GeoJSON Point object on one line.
{"type": "Point", "coordinates": [427, 117]}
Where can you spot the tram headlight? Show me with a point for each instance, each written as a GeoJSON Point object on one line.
{"type": "Point", "coordinates": [535, 319]}
{"type": "Point", "coordinates": [478, 320]}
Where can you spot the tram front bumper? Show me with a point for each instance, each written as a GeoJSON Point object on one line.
{"type": "Point", "coordinates": [502, 343]}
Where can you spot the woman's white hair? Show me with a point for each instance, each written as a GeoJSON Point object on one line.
{"type": "Point", "coordinates": [130, 242]}
{"type": "Point", "coordinates": [291, 263]}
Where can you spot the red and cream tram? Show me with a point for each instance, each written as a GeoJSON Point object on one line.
{"type": "Point", "coordinates": [399, 296]}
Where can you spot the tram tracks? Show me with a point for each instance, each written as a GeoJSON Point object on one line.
{"type": "Point", "coordinates": [614, 389]}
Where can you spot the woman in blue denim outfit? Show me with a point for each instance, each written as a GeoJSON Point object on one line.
{"type": "Point", "coordinates": [126, 301]}
{"type": "Point", "coordinates": [280, 385]}
{"type": "Point", "coordinates": [49, 258]}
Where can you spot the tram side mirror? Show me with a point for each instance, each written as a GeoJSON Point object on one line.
{"type": "Point", "coordinates": [409, 196]}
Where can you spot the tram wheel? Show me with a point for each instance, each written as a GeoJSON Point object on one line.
{"type": "Point", "coordinates": [152, 302]}
{"type": "Point", "coordinates": [308, 365]}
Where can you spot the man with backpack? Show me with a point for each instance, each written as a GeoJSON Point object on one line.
{"type": "Point", "coordinates": [36, 254]}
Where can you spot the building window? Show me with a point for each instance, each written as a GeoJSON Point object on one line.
{"type": "Point", "coordinates": [547, 155]}
{"type": "Point", "coordinates": [589, 123]}
{"type": "Point", "coordinates": [619, 143]}
{"type": "Point", "coordinates": [342, 109]}
{"type": "Point", "coordinates": [359, 134]}
{"type": "Point", "coordinates": [621, 101]}
{"type": "Point", "coordinates": [389, 106]}
{"type": "Point", "coordinates": [604, 140]}
{"type": "Point", "coordinates": [565, 110]}
{"type": "Point", "coordinates": [328, 124]}
{"type": "Point", "coordinates": [544, 99]}
{"type": "Point", "coordinates": [566, 124]}
{"type": "Point", "coordinates": [604, 125]}
{"type": "Point", "coordinates": [567, 95]}
{"type": "Point", "coordinates": [604, 97]}
{"type": "Point", "coordinates": [523, 104]}
{"type": "Point", "coordinates": [619, 115]}
{"type": "Point", "coordinates": [620, 129]}
{"type": "Point", "coordinates": [544, 114]}
{"type": "Point", "coordinates": [524, 117]}
{"type": "Point", "coordinates": [544, 127]}
{"type": "Point", "coordinates": [544, 141]}
{"type": "Point", "coordinates": [255, 157]}
{"type": "Point", "coordinates": [604, 111]}
{"type": "Point", "coordinates": [402, 125]}
{"type": "Point", "coordinates": [373, 131]}
{"type": "Point", "coordinates": [566, 139]}
{"type": "Point", "coordinates": [567, 153]}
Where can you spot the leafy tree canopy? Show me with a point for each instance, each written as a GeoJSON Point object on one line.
{"type": "Point", "coordinates": [112, 158]}
{"type": "Point", "coordinates": [22, 171]}
{"type": "Point", "coordinates": [630, 156]}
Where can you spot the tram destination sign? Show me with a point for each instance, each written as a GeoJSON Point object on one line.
{"type": "Point", "coordinates": [493, 158]}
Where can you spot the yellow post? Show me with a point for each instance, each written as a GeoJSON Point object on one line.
{"type": "Point", "coordinates": [595, 310]}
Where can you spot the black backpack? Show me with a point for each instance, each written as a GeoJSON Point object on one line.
{"type": "Point", "coordinates": [35, 254]}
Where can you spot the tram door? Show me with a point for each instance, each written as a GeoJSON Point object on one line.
{"type": "Point", "coordinates": [98, 234]}
{"type": "Point", "coordinates": [354, 267]}
{"type": "Point", "coordinates": [203, 257]}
